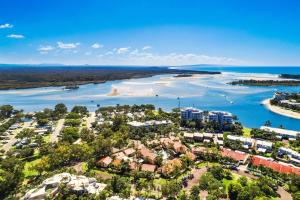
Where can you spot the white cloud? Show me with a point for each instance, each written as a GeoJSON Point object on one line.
{"type": "Point", "coordinates": [109, 53]}
{"type": "Point", "coordinates": [2, 26]}
{"type": "Point", "coordinates": [122, 50]}
{"type": "Point", "coordinates": [46, 48]}
{"type": "Point", "coordinates": [62, 45]}
{"type": "Point", "coordinates": [147, 47]}
{"type": "Point", "coordinates": [97, 46]}
{"type": "Point", "coordinates": [15, 36]}
{"type": "Point", "coordinates": [136, 57]}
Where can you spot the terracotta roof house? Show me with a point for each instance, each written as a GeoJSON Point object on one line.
{"type": "Point", "coordinates": [148, 167]}
{"type": "Point", "coordinates": [276, 166]}
{"type": "Point", "coordinates": [148, 154]}
{"type": "Point", "coordinates": [119, 156]}
{"type": "Point", "coordinates": [179, 147]}
{"type": "Point", "coordinates": [129, 152]}
{"type": "Point", "coordinates": [167, 142]}
{"type": "Point", "coordinates": [235, 155]}
{"type": "Point", "coordinates": [199, 150]}
{"type": "Point", "coordinates": [105, 162]}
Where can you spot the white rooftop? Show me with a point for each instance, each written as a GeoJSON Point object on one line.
{"type": "Point", "coordinates": [280, 131]}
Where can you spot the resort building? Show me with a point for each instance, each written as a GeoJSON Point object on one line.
{"type": "Point", "coordinates": [239, 156]}
{"type": "Point", "coordinates": [193, 137]}
{"type": "Point", "coordinates": [276, 166]}
{"type": "Point", "coordinates": [246, 142]}
{"type": "Point", "coordinates": [263, 146]}
{"type": "Point", "coordinates": [294, 156]}
{"type": "Point", "coordinates": [281, 133]}
{"type": "Point", "coordinates": [223, 118]}
{"type": "Point", "coordinates": [148, 124]}
{"type": "Point", "coordinates": [191, 114]}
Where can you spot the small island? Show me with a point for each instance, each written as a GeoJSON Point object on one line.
{"type": "Point", "coordinates": [253, 82]}
{"type": "Point", "coordinates": [290, 76]}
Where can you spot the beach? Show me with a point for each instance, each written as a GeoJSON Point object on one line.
{"type": "Point", "coordinates": [280, 111]}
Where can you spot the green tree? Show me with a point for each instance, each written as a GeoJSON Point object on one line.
{"type": "Point", "coordinates": [60, 109]}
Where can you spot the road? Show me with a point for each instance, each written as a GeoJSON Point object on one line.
{"type": "Point", "coordinates": [284, 195]}
{"type": "Point", "coordinates": [12, 138]}
{"type": "Point", "coordinates": [56, 132]}
{"type": "Point", "coordinates": [90, 119]}
{"type": "Point", "coordinates": [197, 174]}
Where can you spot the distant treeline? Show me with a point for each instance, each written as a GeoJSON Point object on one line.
{"type": "Point", "coordinates": [33, 77]}
{"type": "Point", "coordinates": [266, 82]}
{"type": "Point", "coordinates": [291, 76]}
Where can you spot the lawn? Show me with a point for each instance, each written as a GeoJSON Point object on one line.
{"type": "Point", "coordinates": [47, 138]}
{"type": "Point", "coordinates": [246, 132]}
{"type": "Point", "coordinates": [29, 172]}
{"type": "Point", "coordinates": [209, 164]}
{"type": "Point", "coordinates": [102, 174]}
{"type": "Point", "coordinates": [226, 182]}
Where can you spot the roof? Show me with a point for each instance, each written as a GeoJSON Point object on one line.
{"type": "Point", "coordinates": [188, 135]}
{"type": "Point", "coordinates": [264, 143]}
{"type": "Point", "coordinates": [280, 131]}
{"type": "Point", "coordinates": [147, 153]}
{"type": "Point", "coordinates": [235, 155]}
{"type": "Point", "coordinates": [148, 167]}
{"type": "Point", "coordinates": [106, 160]}
{"type": "Point", "coordinates": [129, 151]}
{"type": "Point", "coordinates": [276, 166]}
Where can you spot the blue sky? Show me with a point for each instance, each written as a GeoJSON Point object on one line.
{"type": "Point", "coordinates": [150, 32]}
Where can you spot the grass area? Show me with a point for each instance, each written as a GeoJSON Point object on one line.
{"type": "Point", "coordinates": [209, 164]}
{"type": "Point", "coordinates": [226, 182]}
{"type": "Point", "coordinates": [155, 112]}
{"type": "Point", "coordinates": [84, 166]}
{"type": "Point", "coordinates": [47, 138]}
{"type": "Point", "coordinates": [102, 174]}
{"type": "Point", "coordinates": [159, 181]}
{"type": "Point", "coordinates": [28, 172]}
{"type": "Point", "coordinates": [246, 132]}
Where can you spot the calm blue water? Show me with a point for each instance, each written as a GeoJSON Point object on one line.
{"type": "Point", "coordinates": [207, 93]}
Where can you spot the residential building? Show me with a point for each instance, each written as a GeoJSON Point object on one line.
{"type": "Point", "coordinates": [281, 133]}
{"type": "Point", "coordinates": [263, 146]}
{"type": "Point", "coordinates": [246, 142]}
{"type": "Point", "coordinates": [221, 117]}
{"type": "Point", "coordinates": [276, 166]}
{"type": "Point", "coordinates": [239, 156]}
{"type": "Point", "coordinates": [105, 162]}
{"type": "Point", "coordinates": [191, 114]}
{"type": "Point", "coordinates": [148, 168]}
{"type": "Point", "coordinates": [293, 155]}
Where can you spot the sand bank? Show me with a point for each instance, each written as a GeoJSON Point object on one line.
{"type": "Point", "coordinates": [280, 111]}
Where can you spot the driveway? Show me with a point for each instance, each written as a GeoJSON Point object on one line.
{"type": "Point", "coordinates": [56, 132]}
{"type": "Point", "coordinates": [12, 138]}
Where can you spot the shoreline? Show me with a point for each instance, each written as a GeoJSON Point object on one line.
{"type": "Point", "coordinates": [280, 111]}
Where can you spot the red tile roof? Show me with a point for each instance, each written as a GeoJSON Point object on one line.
{"type": "Point", "coordinates": [148, 167]}
{"type": "Point", "coordinates": [235, 155]}
{"type": "Point", "coordinates": [276, 166]}
{"type": "Point", "coordinates": [105, 161]}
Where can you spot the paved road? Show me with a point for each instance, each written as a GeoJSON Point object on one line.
{"type": "Point", "coordinates": [12, 138]}
{"type": "Point", "coordinates": [197, 174]}
{"type": "Point", "coordinates": [58, 128]}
